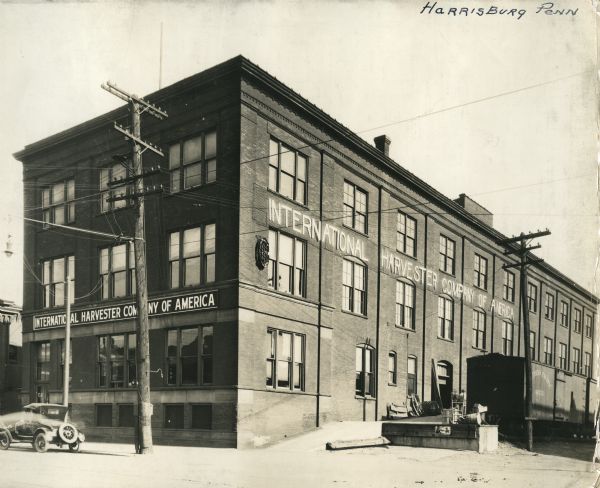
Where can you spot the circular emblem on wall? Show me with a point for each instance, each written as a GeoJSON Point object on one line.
{"type": "Point", "coordinates": [262, 252]}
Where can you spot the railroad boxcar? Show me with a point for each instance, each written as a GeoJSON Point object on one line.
{"type": "Point", "coordinates": [562, 401]}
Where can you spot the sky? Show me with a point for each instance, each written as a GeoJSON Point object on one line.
{"type": "Point", "coordinates": [500, 108]}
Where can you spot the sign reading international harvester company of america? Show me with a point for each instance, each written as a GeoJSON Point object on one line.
{"type": "Point", "coordinates": [124, 311]}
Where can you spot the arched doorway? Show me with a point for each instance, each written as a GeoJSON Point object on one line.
{"type": "Point", "coordinates": [444, 374]}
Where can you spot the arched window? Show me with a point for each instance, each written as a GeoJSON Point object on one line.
{"type": "Point", "coordinates": [507, 337]}
{"type": "Point", "coordinates": [445, 317]}
{"type": "Point", "coordinates": [365, 367]}
{"type": "Point", "coordinates": [479, 328]}
{"type": "Point", "coordinates": [411, 376]}
{"type": "Point", "coordinates": [444, 374]}
{"type": "Point", "coordinates": [405, 304]}
{"type": "Point", "coordinates": [392, 368]}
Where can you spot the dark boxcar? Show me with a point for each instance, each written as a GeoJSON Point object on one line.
{"type": "Point", "coordinates": [498, 382]}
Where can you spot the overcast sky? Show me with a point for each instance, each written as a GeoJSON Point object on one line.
{"type": "Point", "coordinates": [500, 108]}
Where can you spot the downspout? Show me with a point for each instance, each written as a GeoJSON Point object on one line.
{"type": "Point", "coordinates": [378, 302]}
{"type": "Point", "coordinates": [318, 406]}
{"type": "Point", "coordinates": [424, 315]}
{"type": "Point", "coordinates": [462, 308]}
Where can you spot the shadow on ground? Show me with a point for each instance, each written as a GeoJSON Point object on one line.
{"type": "Point", "coordinates": [579, 450]}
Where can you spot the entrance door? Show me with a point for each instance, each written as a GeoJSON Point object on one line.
{"type": "Point", "coordinates": [444, 372]}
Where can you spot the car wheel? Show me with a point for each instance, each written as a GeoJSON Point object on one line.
{"type": "Point", "coordinates": [4, 440]}
{"type": "Point", "coordinates": [67, 433]}
{"type": "Point", "coordinates": [75, 446]}
{"type": "Point", "coordinates": [39, 442]}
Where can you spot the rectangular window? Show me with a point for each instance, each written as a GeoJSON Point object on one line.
{"type": "Point", "coordinates": [190, 356]}
{"type": "Point", "coordinates": [445, 318]}
{"type": "Point", "coordinates": [588, 325]}
{"type": "Point", "coordinates": [287, 264]}
{"type": "Point", "coordinates": [549, 306]}
{"type": "Point", "coordinates": [508, 288]}
{"type": "Point", "coordinates": [507, 338]}
{"type": "Point", "coordinates": [104, 415]}
{"type": "Point", "coordinates": [365, 367]}
{"type": "Point", "coordinates": [562, 356]}
{"type": "Point", "coordinates": [287, 171]}
{"type": "Point", "coordinates": [192, 256]}
{"type": "Point", "coordinates": [285, 360]}
{"type": "Point", "coordinates": [43, 362]}
{"type": "Point", "coordinates": [548, 351]}
{"type": "Point", "coordinates": [411, 376]}
{"type": "Point", "coordinates": [193, 162]}
{"type": "Point", "coordinates": [126, 417]}
{"type": "Point", "coordinates": [447, 252]}
{"type": "Point", "coordinates": [405, 305]}
{"type": "Point", "coordinates": [354, 286]}
{"type": "Point", "coordinates": [577, 320]}
{"type": "Point", "coordinates": [480, 272]}
{"type": "Point", "coordinates": [173, 417]}
{"type": "Point", "coordinates": [117, 271]}
{"type": "Point", "coordinates": [355, 207]}
{"type": "Point", "coordinates": [587, 364]}
{"type": "Point", "coordinates": [392, 369]}
{"type": "Point", "coordinates": [532, 345]}
{"type": "Point", "coordinates": [202, 417]}
{"type": "Point", "coordinates": [116, 361]}
{"type": "Point", "coordinates": [532, 297]}
{"type": "Point", "coordinates": [406, 234]}
{"type": "Point", "coordinates": [564, 314]}
{"type": "Point", "coordinates": [13, 354]}
{"type": "Point", "coordinates": [110, 174]}
{"type": "Point", "coordinates": [576, 360]}
{"type": "Point", "coordinates": [58, 203]}
{"type": "Point", "coordinates": [54, 275]}
{"type": "Point", "coordinates": [479, 329]}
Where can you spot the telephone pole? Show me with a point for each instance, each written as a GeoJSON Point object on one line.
{"type": "Point", "coordinates": [136, 175]}
{"type": "Point", "coordinates": [525, 260]}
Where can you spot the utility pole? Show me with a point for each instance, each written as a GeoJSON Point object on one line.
{"type": "Point", "coordinates": [525, 260]}
{"type": "Point", "coordinates": [67, 347]}
{"type": "Point", "coordinates": [137, 106]}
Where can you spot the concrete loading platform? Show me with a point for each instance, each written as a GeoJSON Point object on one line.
{"type": "Point", "coordinates": [437, 433]}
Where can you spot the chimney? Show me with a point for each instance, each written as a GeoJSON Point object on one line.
{"type": "Point", "coordinates": [475, 209]}
{"type": "Point", "coordinates": [383, 144]}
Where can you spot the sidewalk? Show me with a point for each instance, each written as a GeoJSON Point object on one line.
{"type": "Point", "coordinates": [301, 462]}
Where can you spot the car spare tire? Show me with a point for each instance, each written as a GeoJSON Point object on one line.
{"type": "Point", "coordinates": [67, 433]}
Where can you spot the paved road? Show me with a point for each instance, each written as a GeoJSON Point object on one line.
{"type": "Point", "coordinates": [300, 462]}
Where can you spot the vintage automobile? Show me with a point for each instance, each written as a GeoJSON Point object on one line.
{"type": "Point", "coordinates": [41, 424]}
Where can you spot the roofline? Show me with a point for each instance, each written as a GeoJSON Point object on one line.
{"type": "Point", "coordinates": [246, 67]}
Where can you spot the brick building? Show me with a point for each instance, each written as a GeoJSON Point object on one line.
{"type": "Point", "coordinates": [10, 356]}
{"type": "Point", "coordinates": [370, 273]}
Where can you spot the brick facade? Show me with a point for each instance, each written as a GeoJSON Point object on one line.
{"type": "Point", "coordinates": [249, 109]}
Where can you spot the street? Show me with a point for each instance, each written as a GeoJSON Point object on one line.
{"type": "Point", "coordinates": [299, 462]}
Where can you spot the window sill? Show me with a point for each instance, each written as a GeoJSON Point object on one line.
{"type": "Point", "coordinates": [445, 339]}
{"type": "Point", "coordinates": [407, 255]}
{"type": "Point", "coordinates": [270, 389]}
{"type": "Point", "coordinates": [364, 397]}
{"type": "Point", "coordinates": [479, 349]}
{"type": "Point", "coordinates": [480, 288]}
{"type": "Point", "coordinates": [168, 194]}
{"type": "Point", "coordinates": [356, 314]}
{"type": "Point", "coordinates": [288, 199]}
{"type": "Point", "coordinates": [407, 329]}
{"type": "Point", "coordinates": [452, 275]}
{"type": "Point", "coordinates": [285, 294]}
{"type": "Point", "coordinates": [364, 234]}
{"type": "Point", "coordinates": [392, 384]}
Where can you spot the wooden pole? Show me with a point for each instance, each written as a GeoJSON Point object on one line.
{"type": "Point", "coordinates": [528, 366]}
{"type": "Point", "coordinates": [67, 347]}
{"type": "Point", "coordinates": [143, 333]}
